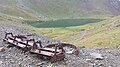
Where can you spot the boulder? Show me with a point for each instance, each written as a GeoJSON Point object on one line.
{"type": "Point", "coordinates": [97, 56]}
{"type": "Point", "coordinates": [88, 60]}
{"type": "Point", "coordinates": [41, 63]}
{"type": "Point", "coordinates": [2, 49]}
{"type": "Point", "coordinates": [70, 51]}
{"type": "Point", "coordinates": [1, 62]}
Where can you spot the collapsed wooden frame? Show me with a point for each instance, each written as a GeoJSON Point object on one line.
{"type": "Point", "coordinates": [53, 52]}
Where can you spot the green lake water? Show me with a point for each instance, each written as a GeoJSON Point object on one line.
{"type": "Point", "coordinates": [64, 23]}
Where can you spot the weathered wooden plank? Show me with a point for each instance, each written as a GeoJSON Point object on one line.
{"type": "Point", "coordinates": [45, 53]}
{"type": "Point", "coordinates": [50, 49]}
{"type": "Point", "coordinates": [21, 45]}
{"type": "Point", "coordinates": [30, 43]}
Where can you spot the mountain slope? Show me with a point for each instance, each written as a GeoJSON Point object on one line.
{"type": "Point", "coordinates": [60, 8]}
{"type": "Point", "coordinates": [12, 8]}
{"type": "Point", "coordinates": [104, 34]}
{"type": "Point", "coordinates": [70, 8]}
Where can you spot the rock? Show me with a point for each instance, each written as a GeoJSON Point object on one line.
{"type": "Point", "coordinates": [92, 64]}
{"type": "Point", "coordinates": [50, 65]}
{"type": "Point", "coordinates": [12, 62]}
{"type": "Point", "coordinates": [20, 17]}
{"type": "Point", "coordinates": [2, 49]}
{"type": "Point", "coordinates": [100, 64]}
{"type": "Point", "coordinates": [1, 62]}
{"type": "Point", "coordinates": [70, 51]}
{"type": "Point", "coordinates": [39, 64]}
{"type": "Point", "coordinates": [88, 60]}
{"type": "Point", "coordinates": [97, 56]}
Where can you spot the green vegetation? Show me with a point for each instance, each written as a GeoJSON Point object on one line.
{"type": "Point", "coordinates": [81, 22]}
{"type": "Point", "coordinates": [102, 34]}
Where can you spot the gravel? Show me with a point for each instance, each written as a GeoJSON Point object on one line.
{"type": "Point", "coordinates": [14, 57]}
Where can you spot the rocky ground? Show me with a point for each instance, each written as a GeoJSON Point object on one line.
{"type": "Point", "coordinates": [88, 57]}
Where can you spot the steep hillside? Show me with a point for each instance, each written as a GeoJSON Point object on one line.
{"type": "Point", "coordinates": [60, 8]}
{"type": "Point", "coordinates": [102, 33]}
{"type": "Point", "coordinates": [70, 8]}
{"type": "Point", "coordinates": [12, 8]}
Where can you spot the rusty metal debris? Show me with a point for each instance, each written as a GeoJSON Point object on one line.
{"type": "Point", "coordinates": [52, 52]}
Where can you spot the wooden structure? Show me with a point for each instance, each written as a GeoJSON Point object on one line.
{"type": "Point", "coordinates": [21, 41]}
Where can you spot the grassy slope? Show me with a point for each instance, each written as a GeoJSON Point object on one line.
{"type": "Point", "coordinates": [11, 8]}
{"type": "Point", "coordinates": [105, 34]}
{"type": "Point", "coordinates": [102, 34]}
